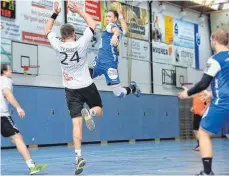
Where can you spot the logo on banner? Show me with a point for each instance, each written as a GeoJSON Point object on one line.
{"type": "Point", "coordinates": [163, 51]}
{"type": "Point", "coordinates": [176, 29]}
{"type": "Point", "coordinates": [188, 56]}
{"type": "Point", "coordinates": [145, 47]}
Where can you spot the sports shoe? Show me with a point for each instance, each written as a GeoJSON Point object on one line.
{"type": "Point", "coordinates": [203, 173]}
{"type": "Point", "coordinates": [88, 119]}
{"type": "Point", "coordinates": [37, 168]}
{"type": "Point", "coordinates": [79, 166]}
{"type": "Point", "coordinates": [137, 92]}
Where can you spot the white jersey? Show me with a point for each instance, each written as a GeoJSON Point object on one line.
{"type": "Point", "coordinates": [5, 83]}
{"type": "Point", "coordinates": [73, 60]}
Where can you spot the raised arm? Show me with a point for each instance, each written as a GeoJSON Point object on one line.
{"type": "Point", "coordinates": [48, 27]}
{"type": "Point", "coordinates": [122, 20]}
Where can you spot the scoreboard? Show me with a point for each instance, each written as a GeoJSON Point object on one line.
{"type": "Point", "coordinates": [8, 8]}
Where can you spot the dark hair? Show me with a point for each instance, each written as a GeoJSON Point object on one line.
{"type": "Point", "coordinates": [114, 12]}
{"type": "Point", "coordinates": [221, 36]}
{"type": "Point", "coordinates": [67, 30]}
{"type": "Point", "coordinates": [4, 67]}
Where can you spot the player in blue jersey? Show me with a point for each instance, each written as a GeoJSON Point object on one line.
{"type": "Point", "coordinates": [106, 63]}
{"type": "Point", "coordinates": [217, 115]}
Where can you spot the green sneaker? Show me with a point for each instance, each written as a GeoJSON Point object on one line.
{"type": "Point", "coordinates": [79, 166]}
{"type": "Point", "coordinates": [88, 119]}
{"type": "Point", "coordinates": [37, 168]}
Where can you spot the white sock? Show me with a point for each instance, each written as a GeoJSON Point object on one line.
{"type": "Point", "coordinates": [78, 153]}
{"type": "Point", "coordinates": [30, 163]}
{"type": "Point", "coordinates": [92, 112]}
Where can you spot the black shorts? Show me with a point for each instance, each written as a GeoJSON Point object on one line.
{"type": "Point", "coordinates": [8, 127]}
{"type": "Point", "coordinates": [196, 121]}
{"type": "Point", "coordinates": [77, 97]}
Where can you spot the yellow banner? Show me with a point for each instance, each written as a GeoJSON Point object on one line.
{"type": "Point", "coordinates": [168, 29]}
{"type": "Point", "coordinates": [137, 19]}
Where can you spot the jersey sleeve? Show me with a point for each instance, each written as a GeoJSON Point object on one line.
{"type": "Point", "coordinates": [55, 42]}
{"type": "Point", "coordinates": [7, 83]}
{"type": "Point", "coordinates": [213, 67]}
{"type": "Point", "coordinates": [110, 26]}
{"type": "Point", "coordinates": [85, 40]}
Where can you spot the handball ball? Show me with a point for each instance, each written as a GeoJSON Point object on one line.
{"type": "Point", "coordinates": [115, 5]}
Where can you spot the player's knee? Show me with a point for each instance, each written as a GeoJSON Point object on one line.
{"type": "Point", "coordinates": [100, 111]}
{"type": "Point", "coordinates": [118, 91]}
{"type": "Point", "coordinates": [77, 134]}
{"type": "Point", "coordinates": [203, 134]}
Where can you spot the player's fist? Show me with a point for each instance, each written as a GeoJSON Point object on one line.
{"type": "Point", "coordinates": [114, 40]}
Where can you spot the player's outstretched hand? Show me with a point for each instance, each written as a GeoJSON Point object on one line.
{"type": "Point", "coordinates": [183, 94]}
{"type": "Point", "coordinates": [56, 7]}
{"type": "Point", "coordinates": [74, 7]}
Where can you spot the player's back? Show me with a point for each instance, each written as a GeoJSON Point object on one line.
{"type": "Point", "coordinates": [74, 64]}
{"type": "Point", "coordinates": [220, 83]}
{"type": "Point", "coordinates": [73, 60]}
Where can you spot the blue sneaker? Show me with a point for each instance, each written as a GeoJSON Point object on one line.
{"type": "Point", "coordinates": [137, 92]}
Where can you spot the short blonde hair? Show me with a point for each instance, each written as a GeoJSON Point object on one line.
{"type": "Point", "coordinates": [221, 36]}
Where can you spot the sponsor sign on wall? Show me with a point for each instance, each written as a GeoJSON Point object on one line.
{"type": "Point", "coordinates": [163, 53]}
{"type": "Point", "coordinates": [34, 16]}
{"type": "Point", "coordinates": [91, 7]}
{"type": "Point", "coordinates": [134, 49]}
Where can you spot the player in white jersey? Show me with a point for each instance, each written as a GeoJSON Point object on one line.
{"type": "Point", "coordinates": [217, 114]}
{"type": "Point", "coordinates": [79, 87]}
{"type": "Point", "coordinates": [8, 127]}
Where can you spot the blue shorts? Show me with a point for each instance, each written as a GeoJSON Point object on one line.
{"type": "Point", "coordinates": [109, 71]}
{"type": "Point", "coordinates": [226, 129]}
{"type": "Point", "coordinates": [215, 118]}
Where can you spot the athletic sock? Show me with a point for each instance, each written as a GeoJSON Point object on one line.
{"type": "Point", "coordinates": [30, 163]}
{"type": "Point", "coordinates": [207, 162]}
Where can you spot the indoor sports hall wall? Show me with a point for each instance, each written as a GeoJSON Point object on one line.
{"type": "Point", "coordinates": [222, 23]}
{"type": "Point", "coordinates": [47, 119]}
{"type": "Point", "coordinates": [28, 28]}
{"type": "Point", "coordinates": [204, 47]}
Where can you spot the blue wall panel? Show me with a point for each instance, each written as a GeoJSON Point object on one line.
{"type": "Point", "coordinates": [147, 117]}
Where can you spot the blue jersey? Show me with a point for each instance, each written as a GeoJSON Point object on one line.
{"type": "Point", "coordinates": [218, 67]}
{"type": "Point", "coordinates": [108, 54]}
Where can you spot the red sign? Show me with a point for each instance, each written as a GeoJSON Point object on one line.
{"type": "Point", "coordinates": [35, 38]}
{"type": "Point", "coordinates": [92, 7]}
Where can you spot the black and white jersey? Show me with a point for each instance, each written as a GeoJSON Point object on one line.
{"type": "Point", "coordinates": [73, 59]}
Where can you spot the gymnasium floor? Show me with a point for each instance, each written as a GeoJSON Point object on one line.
{"type": "Point", "coordinates": [151, 158]}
